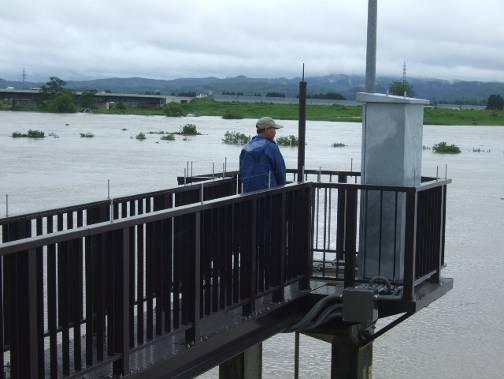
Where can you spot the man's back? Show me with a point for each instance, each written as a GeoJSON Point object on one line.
{"type": "Point", "coordinates": [261, 165]}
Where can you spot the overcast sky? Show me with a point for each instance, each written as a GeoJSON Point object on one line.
{"type": "Point", "coordinates": [166, 39]}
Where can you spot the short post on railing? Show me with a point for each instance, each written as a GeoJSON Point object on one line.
{"type": "Point", "coordinates": [410, 245]}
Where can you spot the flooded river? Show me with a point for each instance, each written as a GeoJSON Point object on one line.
{"type": "Point", "coordinates": [459, 336]}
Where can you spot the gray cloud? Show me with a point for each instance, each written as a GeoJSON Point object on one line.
{"type": "Point", "coordinates": [167, 39]}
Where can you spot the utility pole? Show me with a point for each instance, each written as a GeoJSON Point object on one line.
{"type": "Point", "coordinates": [405, 92]}
{"type": "Point", "coordinates": [371, 46]}
{"type": "Point", "coordinates": [24, 77]}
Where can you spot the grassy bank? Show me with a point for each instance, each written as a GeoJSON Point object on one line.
{"type": "Point", "coordinates": [463, 117]}
{"type": "Point", "coordinates": [209, 107]}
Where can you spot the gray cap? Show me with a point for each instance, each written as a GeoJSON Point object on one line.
{"type": "Point", "coordinates": [267, 122]}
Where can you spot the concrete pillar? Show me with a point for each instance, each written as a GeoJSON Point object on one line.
{"type": "Point", "coordinates": [246, 365]}
{"type": "Point", "coordinates": [349, 360]}
{"type": "Point", "coordinates": [391, 156]}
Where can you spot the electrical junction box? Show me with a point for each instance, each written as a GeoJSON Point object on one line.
{"type": "Point", "coordinates": [359, 305]}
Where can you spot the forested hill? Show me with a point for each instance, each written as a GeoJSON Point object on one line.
{"type": "Point", "coordinates": [470, 92]}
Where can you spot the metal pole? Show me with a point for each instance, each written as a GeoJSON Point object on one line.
{"type": "Point", "coordinates": [269, 179]}
{"type": "Point", "coordinates": [213, 169]}
{"type": "Point", "coordinates": [296, 355]}
{"type": "Point", "coordinates": [191, 170]}
{"type": "Point", "coordinates": [223, 170]}
{"type": "Point", "coordinates": [351, 164]}
{"type": "Point", "coordinates": [237, 184]}
{"type": "Point", "coordinates": [108, 189]}
{"type": "Point", "coordinates": [302, 128]}
{"type": "Point", "coordinates": [371, 46]}
{"type": "Point", "coordinates": [202, 193]}
{"type": "Point", "coordinates": [437, 172]}
{"type": "Point", "coordinates": [225, 165]}
{"type": "Point", "coordinates": [187, 168]}
{"type": "Point", "coordinates": [446, 171]}
{"type": "Point", "coordinates": [111, 210]}
{"type": "Point", "coordinates": [185, 176]}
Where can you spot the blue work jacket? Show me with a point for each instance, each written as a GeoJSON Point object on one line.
{"type": "Point", "coordinates": [261, 164]}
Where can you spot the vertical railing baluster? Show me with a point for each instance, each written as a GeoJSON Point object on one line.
{"type": "Point", "coordinates": [193, 333]}
{"type": "Point", "coordinates": [350, 236]}
{"type": "Point", "coordinates": [279, 294]}
{"type": "Point", "coordinates": [410, 245]}
{"type": "Point", "coordinates": [33, 315]}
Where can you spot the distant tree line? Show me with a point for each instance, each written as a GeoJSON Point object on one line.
{"type": "Point", "coordinates": [275, 94]}
{"type": "Point", "coordinates": [327, 95]}
{"type": "Point", "coordinates": [495, 102]}
{"type": "Point", "coordinates": [232, 93]}
{"type": "Point", "coordinates": [184, 93]}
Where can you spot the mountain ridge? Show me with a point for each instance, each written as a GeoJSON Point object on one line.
{"type": "Point", "coordinates": [436, 90]}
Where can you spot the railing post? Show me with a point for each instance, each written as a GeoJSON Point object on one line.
{"type": "Point", "coordinates": [279, 295]}
{"type": "Point", "coordinates": [309, 201]}
{"type": "Point", "coordinates": [250, 307]}
{"type": "Point", "coordinates": [350, 236]}
{"type": "Point", "coordinates": [33, 315]}
{"type": "Point", "coordinates": [192, 334]}
{"type": "Point", "coordinates": [410, 245]}
{"type": "Point", "coordinates": [125, 311]}
{"type": "Point", "coordinates": [439, 252]}
{"type": "Point", "coordinates": [340, 219]}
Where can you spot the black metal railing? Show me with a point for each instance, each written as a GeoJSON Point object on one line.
{"type": "Point", "coordinates": [66, 218]}
{"type": "Point", "coordinates": [88, 296]}
{"type": "Point", "coordinates": [85, 286]}
{"type": "Point", "coordinates": [408, 223]}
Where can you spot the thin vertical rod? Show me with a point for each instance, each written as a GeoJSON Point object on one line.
{"type": "Point", "coordinates": [301, 128]}
{"type": "Point", "coordinates": [371, 46]}
{"type": "Point", "coordinates": [6, 205]}
{"type": "Point", "coordinates": [296, 355]}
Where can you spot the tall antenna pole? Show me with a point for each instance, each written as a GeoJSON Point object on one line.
{"type": "Point", "coordinates": [405, 92]}
{"type": "Point", "coordinates": [371, 46]}
{"type": "Point", "coordinates": [302, 128]}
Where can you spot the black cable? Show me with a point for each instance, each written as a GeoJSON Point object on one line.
{"type": "Point", "coordinates": [312, 313]}
{"type": "Point", "coordinates": [383, 280]}
{"type": "Point", "coordinates": [325, 316]}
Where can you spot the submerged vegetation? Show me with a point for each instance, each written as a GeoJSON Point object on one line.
{"type": "Point", "coordinates": [188, 130]}
{"type": "Point", "coordinates": [87, 135]}
{"type": "Point", "coordinates": [235, 138]}
{"type": "Point", "coordinates": [140, 136]}
{"type": "Point", "coordinates": [444, 148]}
{"type": "Point", "coordinates": [288, 141]}
{"type": "Point", "coordinates": [338, 144]}
{"type": "Point", "coordinates": [29, 134]}
{"type": "Point", "coordinates": [168, 137]}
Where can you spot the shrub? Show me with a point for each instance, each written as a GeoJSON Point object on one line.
{"type": "Point", "coordinates": [444, 148]}
{"type": "Point", "coordinates": [235, 138]}
{"type": "Point", "coordinates": [30, 134]}
{"type": "Point", "coordinates": [140, 136]}
{"type": "Point", "coordinates": [338, 144]}
{"type": "Point", "coordinates": [230, 115]}
{"type": "Point", "coordinates": [87, 135]}
{"type": "Point", "coordinates": [168, 137]}
{"type": "Point", "coordinates": [288, 141]}
{"type": "Point", "coordinates": [174, 110]}
{"type": "Point", "coordinates": [189, 130]}
{"type": "Point", "coordinates": [62, 102]}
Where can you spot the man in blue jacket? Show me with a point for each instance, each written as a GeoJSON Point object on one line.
{"type": "Point", "coordinates": [261, 163]}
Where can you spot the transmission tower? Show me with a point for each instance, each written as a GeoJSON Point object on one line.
{"type": "Point", "coordinates": [24, 77]}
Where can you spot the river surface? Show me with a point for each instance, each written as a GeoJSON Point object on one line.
{"type": "Point", "coordinates": [459, 336]}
